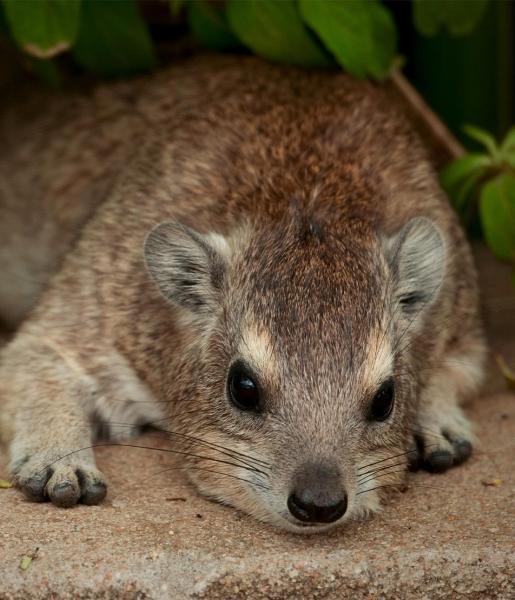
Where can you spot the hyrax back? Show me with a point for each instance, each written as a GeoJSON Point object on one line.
{"type": "Point", "coordinates": [272, 275]}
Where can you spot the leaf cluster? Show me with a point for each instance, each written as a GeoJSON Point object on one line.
{"type": "Point", "coordinates": [482, 185]}
{"type": "Point", "coordinates": [107, 37]}
{"type": "Point", "coordinates": [111, 37]}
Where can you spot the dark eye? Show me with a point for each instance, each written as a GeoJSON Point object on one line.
{"type": "Point", "coordinates": [382, 403]}
{"type": "Point", "coordinates": [242, 388]}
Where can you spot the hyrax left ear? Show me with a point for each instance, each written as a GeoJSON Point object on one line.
{"type": "Point", "coordinates": [416, 255]}
{"type": "Point", "coordinates": [187, 266]}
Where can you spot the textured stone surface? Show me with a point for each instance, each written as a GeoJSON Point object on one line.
{"type": "Point", "coordinates": [447, 536]}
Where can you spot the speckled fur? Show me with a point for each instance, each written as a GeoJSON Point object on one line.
{"type": "Point", "coordinates": [308, 177]}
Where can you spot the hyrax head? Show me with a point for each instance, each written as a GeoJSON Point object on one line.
{"type": "Point", "coordinates": [300, 400]}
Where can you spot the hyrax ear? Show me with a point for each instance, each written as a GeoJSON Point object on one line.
{"type": "Point", "coordinates": [416, 255]}
{"type": "Point", "coordinates": [187, 266]}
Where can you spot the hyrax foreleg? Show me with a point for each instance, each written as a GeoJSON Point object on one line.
{"type": "Point", "coordinates": [51, 406]}
{"type": "Point", "coordinates": [45, 400]}
{"type": "Point", "coordinates": [443, 434]}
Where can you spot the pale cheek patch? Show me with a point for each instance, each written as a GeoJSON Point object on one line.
{"type": "Point", "coordinates": [256, 349]}
{"type": "Point", "coordinates": [377, 368]}
{"type": "Point", "coordinates": [220, 244]}
{"type": "Point", "coordinates": [378, 364]}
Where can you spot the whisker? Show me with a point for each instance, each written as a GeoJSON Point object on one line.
{"type": "Point", "coordinates": [168, 450]}
{"type": "Point", "coordinates": [212, 445]}
{"type": "Point", "coordinates": [255, 483]}
{"type": "Point", "coordinates": [373, 472]}
{"type": "Point", "coordinates": [391, 457]}
{"type": "Point", "coordinates": [377, 487]}
{"type": "Point", "coordinates": [384, 474]}
{"type": "Point", "coordinates": [377, 462]}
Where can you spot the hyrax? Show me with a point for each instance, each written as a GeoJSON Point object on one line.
{"type": "Point", "coordinates": [257, 259]}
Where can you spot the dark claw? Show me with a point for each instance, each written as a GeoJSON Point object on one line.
{"type": "Point", "coordinates": [34, 488]}
{"type": "Point", "coordinates": [438, 461]}
{"type": "Point", "coordinates": [462, 450]}
{"type": "Point", "coordinates": [94, 493]}
{"type": "Point", "coordinates": [64, 494]}
{"type": "Point", "coordinates": [93, 490]}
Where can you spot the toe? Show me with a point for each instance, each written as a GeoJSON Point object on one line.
{"type": "Point", "coordinates": [64, 494]}
{"type": "Point", "coordinates": [438, 461]}
{"type": "Point", "coordinates": [446, 437]}
{"type": "Point", "coordinates": [93, 486]}
{"type": "Point", "coordinates": [462, 447]}
{"type": "Point", "coordinates": [63, 487]}
{"type": "Point", "coordinates": [94, 493]}
{"type": "Point", "coordinates": [33, 485]}
{"type": "Point", "coordinates": [462, 451]}
{"type": "Point", "coordinates": [437, 453]}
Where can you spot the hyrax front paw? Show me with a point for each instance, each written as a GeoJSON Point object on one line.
{"type": "Point", "coordinates": [442, 439]}
{"type": "Point", "coordinates": [63, 481]}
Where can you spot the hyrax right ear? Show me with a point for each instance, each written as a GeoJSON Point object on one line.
{"type": "Point", "coordinates": [417, 258]}
{"type": "Point", "coordinates": [187, 266]}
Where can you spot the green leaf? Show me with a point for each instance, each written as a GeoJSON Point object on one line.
{"type": "Point", "coordinates": [360, 33]}
{"type": "Point", "coordinates": [44, 28]}
{"type": "Point", "coordinates": [507, 150]}
{"type": "Point", "coordinates": [460, 178]}
{"type": "Point", "coordinates": [460, 17]}
{"type": "Point", "coordinates": [274, 30]}
{"type": "Point", "coordinates": [460, 169]}
{"type": "Point", "coordinates": [509, 158]}
{"type": "Point", "coordinates": [484, 138]}
{"type": "Point", "coordinates": [113, 39]}
{"type": "Point", "coordinates": [497, 211]}
{"type": "Point", "coordinates": [508, 144]}
{"type": "Point", "coordinates": [210, 27]}
{"type": "Point", "coordinates": [466, 192]}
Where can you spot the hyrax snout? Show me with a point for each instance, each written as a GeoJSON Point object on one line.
{"type": "Point", "coordinates": [272, 276]}
{"type": "Point", "coordinates": [317, 495]}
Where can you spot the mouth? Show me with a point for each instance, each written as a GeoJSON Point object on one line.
{"type": "Point", "coordinates": [296, 526]}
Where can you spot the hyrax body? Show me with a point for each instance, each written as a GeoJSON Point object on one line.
{"type": "Point", "coordinates": [302, 315]}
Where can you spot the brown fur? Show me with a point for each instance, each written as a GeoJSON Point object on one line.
{"type": "Point", "coordinates": [310, 179]}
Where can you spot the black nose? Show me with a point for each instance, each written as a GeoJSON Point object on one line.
{"type": "Point", "coordinates": [309, 512]}
{"type": "Point", "coordinates": [317, 496]}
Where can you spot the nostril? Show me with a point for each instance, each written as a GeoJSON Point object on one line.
{"type": "Point", "coordinates": [311, 512]}
{"type": "Point", "coordinates": [297, 508]}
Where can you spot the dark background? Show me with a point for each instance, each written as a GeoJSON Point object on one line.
{"type": "Point", "coordinates": [468, 79]}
